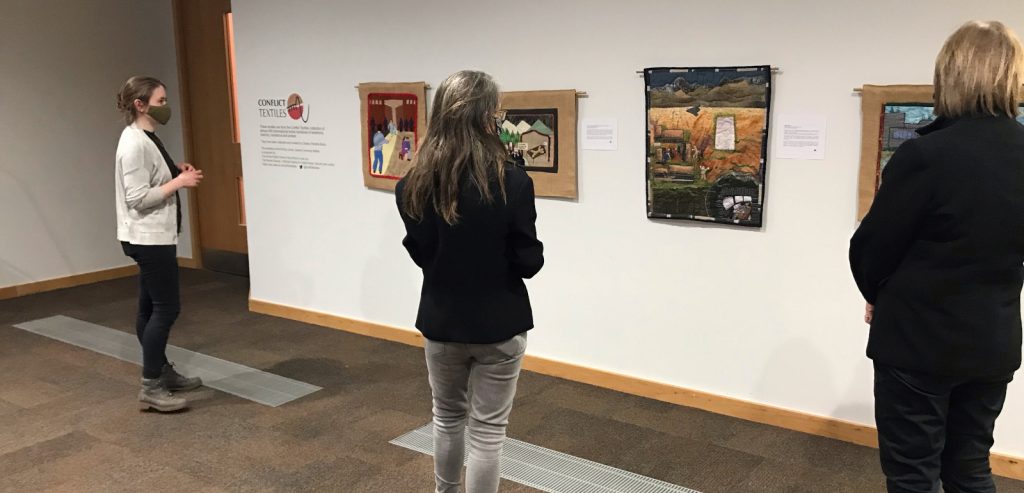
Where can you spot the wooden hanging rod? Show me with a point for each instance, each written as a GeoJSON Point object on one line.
{"type": "Point", "coordinates": [427, 87]}
{"type": "Point", "coordinates": [579, 94]}
{"type": "Point", "coordinates": [774, 71]}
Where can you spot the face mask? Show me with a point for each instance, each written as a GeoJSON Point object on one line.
{"type": "Point", "coordinates": [162, 114]}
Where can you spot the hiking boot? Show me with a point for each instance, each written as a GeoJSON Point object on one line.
{"type": "Point", "coordinates": [176, 382]}
{"type": "Point", "coordinates": [154, 395]}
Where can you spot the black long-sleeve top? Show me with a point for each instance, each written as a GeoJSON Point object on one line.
{"type": "Point", "coordinates": [473, 290]}
{"type": "Point", "coordinates": [941, 252]}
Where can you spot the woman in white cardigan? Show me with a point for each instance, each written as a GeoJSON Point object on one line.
{"type": "Point", "coordinates": [148, 223]}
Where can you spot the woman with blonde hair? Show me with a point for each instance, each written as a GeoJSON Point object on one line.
{"type": "Point", "coordinates": [469, 217]}
{"type": "Point", "coordinates": [940, 260]}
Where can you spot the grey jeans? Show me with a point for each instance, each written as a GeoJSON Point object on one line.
{"type": "Point", "coordinates": [490, 372]}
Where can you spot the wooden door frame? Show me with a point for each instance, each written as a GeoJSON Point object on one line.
{"type": "Point", "coordinates": [196, 262]}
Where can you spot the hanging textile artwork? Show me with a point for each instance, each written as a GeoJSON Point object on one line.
{"type": "Point", "coordinates": [891, 116]}
{"type": "Point", "coordinates": [393, 119]}
{"type": "Point", "coordinates": [707, 143]}
{"type": "Point", "coordinates": [539, 130]}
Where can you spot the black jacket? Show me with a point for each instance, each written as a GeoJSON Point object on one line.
{"type": "Point", "coordinates": [473, 290]}
{"type": "Point", "coordinates": [940, 253]}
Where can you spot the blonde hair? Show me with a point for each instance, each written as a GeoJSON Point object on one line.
{"type": "Point", "coordinates": [980, 71]}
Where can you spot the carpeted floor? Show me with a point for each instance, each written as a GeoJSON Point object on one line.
{"type": "Point", "coordinates": [69, 420]}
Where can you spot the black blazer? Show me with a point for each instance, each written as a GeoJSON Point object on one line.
{"type": "Point", "coordinates": [473, 290]}
{"type": "Point", "coordinates": [940, 253]}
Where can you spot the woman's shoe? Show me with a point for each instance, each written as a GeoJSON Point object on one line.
{"type": "Point", "coordinates": [176, 382]}
{"type": "Point", "coordinates": [154, 395]}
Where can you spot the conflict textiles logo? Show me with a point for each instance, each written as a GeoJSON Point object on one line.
{"type": "Point", "coordinates": [293, 107]}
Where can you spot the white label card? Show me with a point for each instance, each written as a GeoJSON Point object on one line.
{"type": "Point", "coordinates": [600, 134]}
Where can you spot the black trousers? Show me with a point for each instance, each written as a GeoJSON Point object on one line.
{"type": "Point", "coordinates": [934, 429]}
{"type": "Point", "coordinates": [159, 301]}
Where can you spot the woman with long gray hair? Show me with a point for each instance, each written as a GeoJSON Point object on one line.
{"type": "Point", "coordinates": [470, 222]}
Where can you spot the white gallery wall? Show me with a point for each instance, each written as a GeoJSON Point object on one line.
{"type": "Point", "coordinates": [768, 315]}
{"type": "Point", "coordinates": [63, 62]}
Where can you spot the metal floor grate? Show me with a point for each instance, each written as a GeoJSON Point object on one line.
{"type": "Point", "coordinates": [240, 380]}
{"type": "Point", "coordinates": [551, 471]}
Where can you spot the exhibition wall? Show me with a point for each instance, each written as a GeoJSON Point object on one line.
{"type": "Point", "coordinates": [63, 63]}
{"type": "Point", "coordinates": [769, 314]}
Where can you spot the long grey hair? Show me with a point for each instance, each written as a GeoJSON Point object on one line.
{"type": "Point", "coordinates": [461, 138]}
